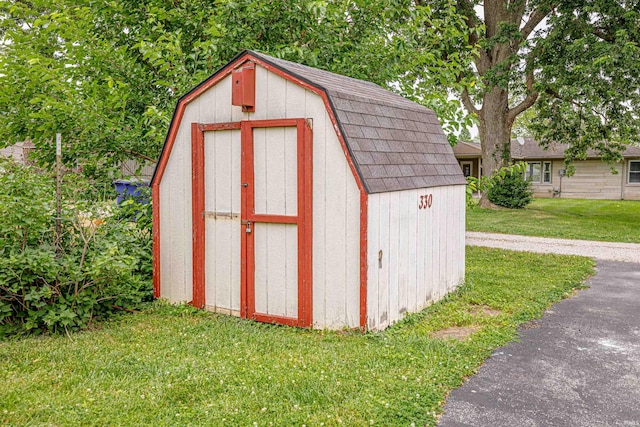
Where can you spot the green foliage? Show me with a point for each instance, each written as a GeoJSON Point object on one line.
{"type": "Point", "coordinates": [485, 184]}
{"type": "Point", "coordinates": [601, 220]}
{"type": "Point", "coordinates": [97, 266]}
{"type": "Point", "coordinates": [107, 75]}
{"type": "Point", "coordinates": [589, 78]}
{"type": "Point", "coordinates": [511, 191]}
{"type": "Point", "coordinates": [577, 62]}
{"type": "Point", "coordinates": [172, 366]}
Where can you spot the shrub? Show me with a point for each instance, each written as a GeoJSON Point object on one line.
{"type": "Point", "coordinates": [98, 265]}
{"type": "Point", "coordinates": [511, 191]}
{"type": "Point", "coordinates": [485, 183]}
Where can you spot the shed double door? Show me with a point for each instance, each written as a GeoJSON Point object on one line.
{"type": "Point", "coordinates": [271, 236]}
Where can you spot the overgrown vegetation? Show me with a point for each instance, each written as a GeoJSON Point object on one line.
{"type": "Point", "coordinates": [176, 366]}
{"type": "Point", "coordinates": [107, 75]}
{"type": "Point", "coordinates": [504, 179]}
{"type": "Point", "coordinates": [99, 264]}
{"type": "Point", "coordinates": [511, 191]}
{"type": "Point", "coordinates": [604, 220]}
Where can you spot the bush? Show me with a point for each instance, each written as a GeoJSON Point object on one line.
{"type": "Point", "coordinates": [100, 264]}
{"type": "Point", "coordinates": [511, 191]}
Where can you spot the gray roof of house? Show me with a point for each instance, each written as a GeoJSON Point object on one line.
{"type": "Point", "coordinates": [531, 150]}
{"type": "Point", "coordinates": [464, 149]}
{"type": "Point", "coordinates": [396, 144]}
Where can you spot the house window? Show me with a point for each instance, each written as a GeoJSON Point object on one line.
{"type": "Point", "coordinates": [546, 172]}
{"type": "Point", "coordinates": [466, 168]}
{"type": "Point", "coordinates": [538, 172]}
{"type": "Point", "coordinates": [634, 172]}
{"type": "Point", "coordinates": [532, 173]}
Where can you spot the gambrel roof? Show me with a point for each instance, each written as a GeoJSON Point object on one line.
{"type": "Point", "coordinates": [394, 143]}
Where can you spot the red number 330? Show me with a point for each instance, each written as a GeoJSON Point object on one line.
{"type": "Point", "coordinates": [425, 201]}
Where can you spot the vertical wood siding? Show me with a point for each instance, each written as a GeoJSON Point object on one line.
{"type": "Point", "coordinates": [222, 248]}
{"type": "Point", "coordinates": [336, 203]}
{"type": "Point", "coordinates": [275, 164]}
{"type": "Point", "coordinates": [423, 251]}
{"type": "Point", "coordinates": [276, 269]}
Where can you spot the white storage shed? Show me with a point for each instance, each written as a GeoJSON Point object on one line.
{"type": "Point", "coordinates": [293, 195]}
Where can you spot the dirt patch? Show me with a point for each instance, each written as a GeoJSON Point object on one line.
{"type": "Point", "coordinates": [534, 324]}
{"type": "Point", "coordinates": [484, 310]}
{"type": "Point", "coordinates": [460, 333]}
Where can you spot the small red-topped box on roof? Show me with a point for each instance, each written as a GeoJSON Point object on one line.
{"type": "Point", "coordinates": [243, 91]}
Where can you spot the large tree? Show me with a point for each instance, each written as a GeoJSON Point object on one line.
{"type": "Point", "coordinates": [577, 62]}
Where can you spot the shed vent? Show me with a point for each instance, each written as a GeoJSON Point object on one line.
{"type": "Point", "coordinates": [243, 91]}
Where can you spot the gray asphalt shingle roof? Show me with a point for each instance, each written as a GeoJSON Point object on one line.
{"type": "Point", "coordinates": [531, 150]}
{"type": "Point", "coordinates": [396, 144]}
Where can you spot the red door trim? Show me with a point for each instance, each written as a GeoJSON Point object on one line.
{"type": "Point", "coordinates": [284, 219]}
{"type": "Point", "coordinates": [305, 209]}
{"type": "Point", "coordinates": [303, 220]}
{"type": "Point", "coordinates": [280, 320]}
{"type": "Point", "coordinates": [219, 126]}
{"type": "Point", "coordinates": [197, 210]}
{"type": "Point", "coordinates": [364, 212]}
{"type": "Point", "coordinates": [247, 292]}
{"type": "Point", "coordinates": [155, 227]}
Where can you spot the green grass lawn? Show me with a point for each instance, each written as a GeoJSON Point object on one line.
{"type": "Point", "coordinates": [604, 220]}
{"type": "Point", "coordinates": [173, 366]}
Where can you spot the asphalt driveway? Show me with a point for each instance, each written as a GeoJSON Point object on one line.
{"type": "Point", "coordinates": [579, 365]}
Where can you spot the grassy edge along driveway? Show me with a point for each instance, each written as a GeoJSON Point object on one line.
{"type": "Point", "coordinates": [174, 366]}
{"type": "Point", "coordinates": [602, 220]}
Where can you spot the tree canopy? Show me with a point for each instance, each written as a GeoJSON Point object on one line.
{"type": "Point", "coordinates": [107, 75]}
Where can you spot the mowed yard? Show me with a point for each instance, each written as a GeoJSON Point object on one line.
{"type": "Point", "coordinates": [602, 220]}
{"type": "Point", "coordinates": [176, 366]}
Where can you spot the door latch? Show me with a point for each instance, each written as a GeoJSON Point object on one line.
{"type": "Point", "coordinates": [248, 224]}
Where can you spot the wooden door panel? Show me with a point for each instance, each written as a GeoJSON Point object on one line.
{"type": "Point", "coordinates": [222, 219]}
{"type": "Point", "coordinates": [275, 171]}
{"type": "Point", "coordinates": [276, 269]}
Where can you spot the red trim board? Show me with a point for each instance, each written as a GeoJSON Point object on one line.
{"type": "Point", "coordinates": [197, 214]}
{"type": "Point", "coordinates": [155, 222]}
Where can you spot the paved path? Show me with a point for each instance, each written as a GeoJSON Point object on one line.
{"type": "Point", "coordinates": [579, 365]}
{"type": "Point", "coordinates": [626, 252]}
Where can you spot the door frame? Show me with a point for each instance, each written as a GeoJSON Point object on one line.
{"type": "Point", "coordinates": [303, 220]}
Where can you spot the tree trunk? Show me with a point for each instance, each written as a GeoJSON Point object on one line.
{"type": "Point", "coordinates": [495, 133]}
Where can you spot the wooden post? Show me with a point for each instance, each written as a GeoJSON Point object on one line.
{"type": "Point", "coordinates": [58, 194]}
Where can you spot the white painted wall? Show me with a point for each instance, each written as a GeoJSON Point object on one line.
{"type": "Point", "coordinates": [336, 200]}
{"type": "Point", "coordinates": [422, 251]}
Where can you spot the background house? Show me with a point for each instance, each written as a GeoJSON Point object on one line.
{"type": "Point", "coordinates": [469, 158]}
{"type": "Point", "coordinates": [593, 178]}
{"type": "Point", "coordinates": [18, 152]}
{"type": "Point", "coordinates": [139, 170]}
